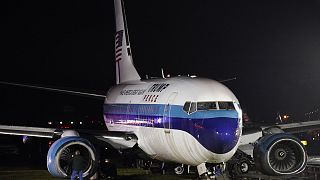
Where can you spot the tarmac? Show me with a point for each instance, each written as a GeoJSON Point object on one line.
{"type": "Point", "coordinates": [15, 167]}
{"type": "Point", "coordinates": [27, 173]}
{"type": "Point", "coordinates": [20, 173]}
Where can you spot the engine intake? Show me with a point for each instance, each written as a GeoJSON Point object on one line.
{"type": "Point", "coordinates": [279, 154]}
{"type": "Point", "coordinates": [59, 158]}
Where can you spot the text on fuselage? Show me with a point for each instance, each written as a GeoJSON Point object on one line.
{"type": "Point", "coordinates": [158, 87]}
{"type": "Point", "coordinates": [132, 92]}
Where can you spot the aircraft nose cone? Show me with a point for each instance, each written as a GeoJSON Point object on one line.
{"type": "Point", "coordinates": [219, 135]}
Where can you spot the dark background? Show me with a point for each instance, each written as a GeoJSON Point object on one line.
{"type": "Point", "coordinates": [271, 47]}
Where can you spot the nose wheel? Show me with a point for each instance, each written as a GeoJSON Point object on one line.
{"type": "Point", "coordinates": [211, 171]}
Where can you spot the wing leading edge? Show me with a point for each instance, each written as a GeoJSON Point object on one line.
{"type": "Point", "coordinates": [116, 139]}
{"type": "Point", "coordinates": [255, 133]}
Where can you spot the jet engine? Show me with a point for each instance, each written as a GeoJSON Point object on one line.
{"type": "Point", "coordinates": [279, 154]}
{"type": "Point", "coordinates": [60, 154]}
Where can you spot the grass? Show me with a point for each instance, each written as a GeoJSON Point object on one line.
{"type": "Point", "coordinates": [26, 174]}
{"type": "Point", "coordinates": [123, 173]}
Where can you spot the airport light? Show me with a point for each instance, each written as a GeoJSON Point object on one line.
{"type": "Point", "coordinates": [304, 142]}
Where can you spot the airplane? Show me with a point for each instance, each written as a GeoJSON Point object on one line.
{"type": "Point", "coordinates": [188, 120]}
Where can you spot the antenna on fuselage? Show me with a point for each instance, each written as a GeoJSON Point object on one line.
{"type": "Point", "coordinates": [162, 73]}
{"type": "Point", "coordinates": [227, 80]}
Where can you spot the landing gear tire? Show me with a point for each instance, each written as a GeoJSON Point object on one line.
{"type": "Point", "coordinates": [243, 167]}
{"type": "Point", "coordinates": [179, 170]}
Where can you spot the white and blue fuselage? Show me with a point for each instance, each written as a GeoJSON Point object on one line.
{"type": "Point", "coordinates": [180, 119]}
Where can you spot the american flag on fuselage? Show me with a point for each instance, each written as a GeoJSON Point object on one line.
{"type": "Point", "coordinates": [118, 45]}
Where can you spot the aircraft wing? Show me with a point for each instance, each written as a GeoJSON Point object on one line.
{"type": "Point", "coordinates": [116, 139]}
{"type": "Point", "coordinates": [250, 136]}
{"type": "Point", "coordinates": [300, 126]}
{"type": "Point", "coordinates": [57, 90]}
{"type": "Point", "coordinates": [314, 161]}
{"type": "Point", "coordinates": [30, 131]}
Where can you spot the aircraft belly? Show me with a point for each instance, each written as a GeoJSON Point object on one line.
{"type": "Point", "coordinates": [172, 145]}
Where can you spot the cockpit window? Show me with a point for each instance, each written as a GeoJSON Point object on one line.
{"type": "Point", "coordinates": [186, 106]}
{"type": "Point", "coordinates": [226, 105]}
{"type": "Point", "coordinates": [190, 107]}
{"type": "Point", "coordinates": [193, 107]}
{"type": "Point", "coordinates": [201, 106]}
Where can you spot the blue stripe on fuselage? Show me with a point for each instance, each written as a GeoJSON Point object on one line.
{"type": "Point", "coordinates": [216, 130]}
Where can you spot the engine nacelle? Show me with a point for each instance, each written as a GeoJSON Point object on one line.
{"type": "Point", "coordinates": [59, 158]}
{"type": "Point", "coordinates": [279, 154]}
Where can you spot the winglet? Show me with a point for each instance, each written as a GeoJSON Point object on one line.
{"type": "Point", "coordinates": [125, 70]}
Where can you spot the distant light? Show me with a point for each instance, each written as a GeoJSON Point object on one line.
{"type": "Point", "coordinates": [285, 117]}
{"type": "Point", "coordinates": [313, 138]}
{"type": "Point", "coordinates": [71, 122]}
{"type": "Point", "coordinates": [106, 148]}
{"type": "Point", "coordinates": [304, 142]}
{"type": "Point", "coordinates": [80, 122]}
{"type": "Point", "coordinates": [193, 76]}
{"type": "Point", "coordinates": [49, 122]}
{"type": "Point", "coordinates": [60, 122]}
{"type": "Point", "coordinates": [25, 139]}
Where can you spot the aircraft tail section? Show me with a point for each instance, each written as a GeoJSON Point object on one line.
{"type": "Point", "coordinates": [125, 70]}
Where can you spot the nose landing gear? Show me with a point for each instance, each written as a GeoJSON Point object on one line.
{"type": "Point", "coordinates": [211, 171]}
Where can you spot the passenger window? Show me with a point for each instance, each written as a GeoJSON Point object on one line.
{"type": "Point", "coordinates": [206, 106]}
{"type": "Point", "coordinates": [226, 105]}
{"type": "Point", "coordinates": [186, 106]}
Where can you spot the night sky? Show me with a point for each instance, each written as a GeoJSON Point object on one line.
{"type": "Point", "coordinates": [271, 47]}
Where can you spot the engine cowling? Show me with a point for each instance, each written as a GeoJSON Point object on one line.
{"type": "Point", "coordinates": [279, 154]}
{"type": "Point", "coordinates": [59, 158]}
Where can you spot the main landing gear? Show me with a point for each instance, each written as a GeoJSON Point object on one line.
{"type": "Point", "coordinates": [239, 164]}
{"type": "Point", "coordinates": [179, 170]}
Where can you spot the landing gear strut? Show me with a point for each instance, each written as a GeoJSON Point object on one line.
{"type": "Point", "coordinates": [211, 171]}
